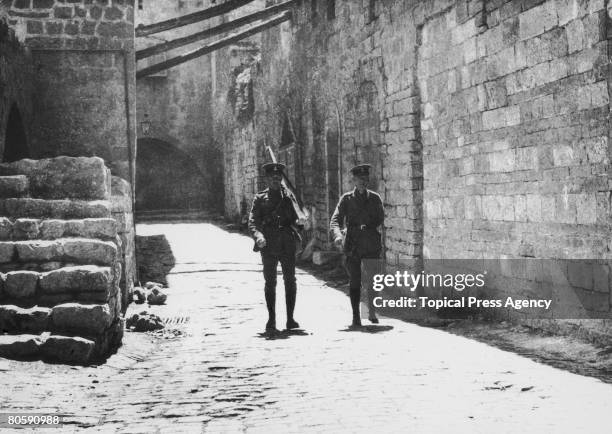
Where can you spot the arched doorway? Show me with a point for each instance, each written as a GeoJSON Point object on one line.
{"type": "Point", "coordinates": [166, 178]}
{"type": "Point", "coordinates": [15, 141]}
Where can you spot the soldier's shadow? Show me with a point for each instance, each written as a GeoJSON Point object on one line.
{"type": "Point", "coordinates": [282, 334]}
{"type": "Point", "coordinates": [368, 329]}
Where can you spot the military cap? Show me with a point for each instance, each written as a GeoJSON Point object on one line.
{"type": "Point", "coordinates": [273, 168]}
{"type": "Point", "coordinates": [361, 170]}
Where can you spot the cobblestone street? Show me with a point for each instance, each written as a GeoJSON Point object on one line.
{"type": "Point", "coordinates": [220, 374]}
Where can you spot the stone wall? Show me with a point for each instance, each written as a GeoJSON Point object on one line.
{"type": "Point", "coordinates": [122, 212]}
{"type": "Point", "coordinates": [16, 80]}
{"type": "Point", "coordinates": [70, 72]}
{"type": "Point", "coordinates": [85, 86]}
{"type": "Point", "coordinates": [515, 131]}
{"type": "Point", "coordinates": [178, 104]}
{"type": "Point", "coordinates": [486, 122]}
{"type": "Point", "coordinates": [234, 125]}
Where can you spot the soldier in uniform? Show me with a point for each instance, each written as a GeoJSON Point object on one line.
{"type": "Point", "coordinates": [359, 213]}
{"type": "Point", "coordinates": [271, 224]}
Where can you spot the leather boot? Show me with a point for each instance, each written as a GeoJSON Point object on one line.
{"type": "Point", "coordinates": [271, 305]}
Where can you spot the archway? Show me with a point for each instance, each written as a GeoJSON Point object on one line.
{"type": "Point", "coordinates": [166, 178]}
{"type": "Point", "coordinates": [15, 142]}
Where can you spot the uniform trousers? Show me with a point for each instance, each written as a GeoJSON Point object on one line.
{"type": "Point", "coordinates": [354, 268]}
{"type": "Point", "coordinates": [270, 265]}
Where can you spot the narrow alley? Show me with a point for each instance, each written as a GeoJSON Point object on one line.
{"type": "Point", "coordinates": [213, 370]}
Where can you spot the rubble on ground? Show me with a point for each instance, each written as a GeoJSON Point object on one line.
{"type": "Point", "coordinates": [151, 292]}
{"type": "Point", "coordinates": [144, 322]}
{"type": "Point", "coordinates": [156, 296]}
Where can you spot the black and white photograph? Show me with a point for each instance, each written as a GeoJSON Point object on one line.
{"type": "Point", "coordinates": [306, 216]}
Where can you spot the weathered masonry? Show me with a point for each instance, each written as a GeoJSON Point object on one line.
{"type": "Point", "coordinates": [487, 123]}
{"type": "Point", "coordinates": [60, 254]}
{"type": "Point", "coordinates": [67, 89]}
{"type": "Point", "coordinates": [178, 162]}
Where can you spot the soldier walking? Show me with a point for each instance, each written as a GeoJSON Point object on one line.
{"type": "Point", "coordinates": [271, 224]}
{"type": "Point", "coordinates": [359, 213]}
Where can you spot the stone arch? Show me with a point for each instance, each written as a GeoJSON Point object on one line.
{"type": "Point", "coordinates": [167, 178]}
{"type": "Point", "coordinates": [15, 140]}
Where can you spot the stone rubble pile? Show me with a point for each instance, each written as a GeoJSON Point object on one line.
{"type": "Point", "coordinates": [144, 322]}
{"type": "Point", "coordinates": [152, 293]}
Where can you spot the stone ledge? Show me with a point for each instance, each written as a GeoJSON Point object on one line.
{"type": "Point", "coordinates": [86, 278]}
{"type": "Point", "coordinates": [63, 177]}
{"type": "Point", "coordinates": [55, 209]}
{"type": "Point", "coordinates": [82, 319]}
{"type": "Point", "coordinates": [48, 347]}
{"type": "Point", "coordinates": [33, 320]}
{"type": "Point", "coordinates": [20, 346]}
{"type": "Point", "coordinates": [66, 349]}
{"type": "Point", "coordinates": [73, 250]}
{"type": "Point", "coordinates": [31, 229]}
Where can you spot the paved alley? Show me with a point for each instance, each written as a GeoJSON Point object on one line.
{"type": "Point", "coordinates": [214, 371]}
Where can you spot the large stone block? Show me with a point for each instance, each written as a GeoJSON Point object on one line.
{"type": "Point", "coordinates": [16, 319]}
{"type": "Point", "coordinates": [121, 195]}
{"type": "Point", "coordinates": [63, 177]}
{"type": "Point", "coordinates": [85, 278]}
{"type": "Point", "coordinates": [7, 252]}
{"type": "Point", "coordinates": [52, 229]}
{"type": "Point", "coordinates": [102, 228]}
{"type": "Point", "coordinates": [84, 319]}
{"type": "Point", "coordinates": [55, 209]}
{"type": "Point", "coordinates": [110, 340]}
{"type": "Point", "coordinates": [21, 284]}
{"type": "Point", "coordinates": [124, 221]}
{"type": "Point", "coordinates": [67, 349]}
{"type": "Point", "coordinates": [39, 251]}
{"type": "Point", "coordinates": [537, 20]}
{"type": "Point", "coordinates": [20, 346]}
{"type": "Point", "coordinates": [13, 186]}
{"type": "Point", "coordinates": [88, 251]}
{"type": "Point", "coordinates": [27, 229]}
{"type": "Point", "coordinates": [6, 228]}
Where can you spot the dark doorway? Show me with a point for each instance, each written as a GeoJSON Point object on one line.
{"type": "Point", "coordinates": [15, 142]}
{"type": "Point", "coordinates": [167, 178]}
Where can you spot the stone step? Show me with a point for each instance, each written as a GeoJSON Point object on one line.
{"type": "Point", "coordinates": [13, 186]}
{"type": "Point", "coordinates": [95, 322]}
{"type": "Point", "coordinates": [54, 209]}
{"type": "Point", "coordinates": [84, 178]}
{"type": "Point", "coordinates": [16, 319]}
{"type": "Point", "coordinates": [76, 250]}
{"type": "Point", "coordinates": [48, 347]}
{"type": "Point", "coordinates": [31, 229]}
{"type": "Point", "coordinates": [81, 319]}
{"type": "Point", "coordinates": [86, 283]}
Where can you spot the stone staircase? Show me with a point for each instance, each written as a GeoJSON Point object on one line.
{"type": "Point", "coordinates": [60, 261]}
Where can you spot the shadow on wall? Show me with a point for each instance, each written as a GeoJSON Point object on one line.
{"type": "Point", "coordinates": [15, 142]}
{"type": "Point", "coordinates": [167, 178]}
